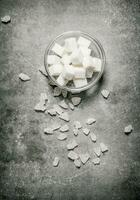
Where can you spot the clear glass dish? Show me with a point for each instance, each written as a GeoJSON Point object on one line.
{"type": "Point", "coordinates": [97, 51]}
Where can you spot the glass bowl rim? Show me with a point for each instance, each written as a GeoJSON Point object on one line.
{"type": "Point", "coordinates": [92, 83]}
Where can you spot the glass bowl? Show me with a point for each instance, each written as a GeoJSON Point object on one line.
{"type": "Point", "coordinates": [97, 51]}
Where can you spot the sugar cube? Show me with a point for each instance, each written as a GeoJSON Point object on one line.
{"type": "Point", "coordinates": [66, 59]}
{"type": "Point", "coordinates": [56, 69]}
{"type": "Point", "coordinates": [97, 64]}
{"type": "Point", "coordinates": [79, 72]}
{"type": "Point", "coordinates": [61, 80]}
{"type": "Point", "coordinates": [58, 49]}
{"type": "Point", "coordinates": [53, 59]}
{"type": "Point", "coordinates": [80, 82]}
{"type": "Point", "coordinates": [76, 57]}
{"type": "Point", "coordinates": [83, 42]}
{"type": "Point", "coordinates": [70, 44]}
{"type": "Point", "coordinates": [85, 51]}
{"type": "Point", "coordinates": [68, 72]}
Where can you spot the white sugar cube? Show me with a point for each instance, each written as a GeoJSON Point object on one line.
{"type": "Point", "coordinates": [58, 49]}
{"type": "Point", "coordinates": [79, 72]}
{"type": "Point", "coordinates": [70, 44]}
{"type": "Point", "coordinates": [66, 59]}
{"type": "Point", "coordinates": [87, 62]}
{"type": "Point", "coordinates": [83, 42]}
{"type": "Point", "coordinates": [55, 70]}
{"type": "Point", "coordinates": [61, 81]}
{"type": "Point", "coordinates": [80, 82]}
{"type": "Point", "coordinates": [68, 72]}
{"type": "Point", "coordinates": [85, 51]}
{"type": "Point", "coordinates": [76, 57]}
{"type": "Point", "coordinates": [53, 59]}
{"type": "Point", "coordinates": [96, 62]}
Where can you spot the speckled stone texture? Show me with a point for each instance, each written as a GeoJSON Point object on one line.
{"type": "Point", "coordinates": [26, 155]}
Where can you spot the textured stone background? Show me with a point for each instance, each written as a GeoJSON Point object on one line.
{"type": "Point", "coordinates": [26, 170]}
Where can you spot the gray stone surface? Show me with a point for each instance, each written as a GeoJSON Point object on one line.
{"type": "Point", "coordinates": [26, 170]}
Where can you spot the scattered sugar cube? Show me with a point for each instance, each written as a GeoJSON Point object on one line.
{"type": "Point", "coordinates": [58, 49]}
{"type": "Point", "coordinates": [77, 163]}
{"type": "Point", "coordinates": [64, 93]}
{"type": "Point", "coordinates": [85, 51]}
{"type": "Point", "coordinates": [70, 44]}
{"type": "Point", "coordinates": [64, 128]}
{"type": "Point", "coordinates": [97, 64]}
{"type": "Point", "coordinates": [61, 80]}
{"type": "Point", "coordinates": [76, 100]}
{"type": "Point", "coordinates": [83, 42]}
{"type": "Point", "coordinates": [75, 132]}
{"type": "Point", "coordinates": [72, 145]}
{"type": "Point", "coordinates": [66, 59]}
{"type": "Point", "coordinates": [63, 104]}
{"type": "Point", "coordinates": [43, 71]}
{"type": "Point", "coordinates": [86, 131]}
{"type": "Point", "coordinates": [55, 127]}
{"type": "Point", "coordinates": [68, 72]}
{"type": "Point", "coordinates": [56, 69]}
{"type": "Point", "coordinates": [48, 131]}
{"type": "Point", "coordinates": [90, 121]}
{"type": "Point", "coordinates": [53, 59]}
{"type": "Point", "coordinates": [77, 124]}
{"type": "Point", "coordinates": [24, 77]}
{"type": "Point", "coordinates": [56, 162]}
{"type": "Point", "coordinates": [40, 107]}
{"type": "Point", "coordinates": [80, 82]}
{"type": "Point", "coordinates": [72, 155]}
{"type": "Point", "coordinates": [93, 137]}
{"type": "Point", "coordinates": [96, 161]}
{"type": "Point", "coordinates": [97, 151]}
{"type": "Point", "coordinates": [79, 72]}
{"type": "Point", "coordinates": [56, 92]}
{"type": "Point", "coordinates": [103, 147]}
{"type": "Point", "coordinates": [84, 157]}
{"type": "Point", "coordinates": [62, 136]}
{"type": "Point", "coordinates": [128, 129]}
{"type": "Point", "coordinates": [64, 116]}
{"type": "Point", "coordinates": [105, 93]}
{"type": "Point", "coordinates": [52, 112]}
{"type": "Point", "coordinates": [71, 106]}
{"type": "Point", "coordinates": [58, 110]}
{"type": "Point", "coordinates": [76, 57]}
{"type": "Point", "coordinates": [6, 19]}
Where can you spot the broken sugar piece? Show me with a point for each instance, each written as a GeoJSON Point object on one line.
{"type": "Point", "coordinates": [93, 137]}
{"type": "Point", "coordinates": [64, 116]}
{"type": "Point", "coordinates": [55, 70]}
{"type": "Point", "coordinates": [96, 161]}
{"type": "Point", "coordinates": [56, 162]}
{"type": "Point", "coordinates": [72, 145]}
{"type": "Point", "coordinates": [40, 107]}
{"type": "Point", "coordinates": [97, 64]}
{"type": "Point", "coordinates": [84, 157]}
{"type": "Point", "coordinates": [97, 151]}
{"type": "Point", "coordinates": [83, 41]}
{"type": "Point", "coordinates": [128, 129]}
{"type": "Point", "coordinates": [105, 93]}
{"type": "Point", "coordinates": [52, 112]}
{"type": "Point", "coordinates": [61, 80]}
{"type": "Point", "coordinates": [86, 131]}
{"type": "Point", "coordinates": [70, 44]}
{"type": "Point", "coordinates": [58, 49]}
{"type": "Point", "coordinates": [43, 98]}
{"type": "Point", "coordinates": [58, 109]}
{"type": "Point", "coordinates": [43, 71]}
{"type": "Point", "coordinates": [77, 124]}
{"type": "Point", "coordinates": [77, 163]}
{"type": "Point", "coordinates": [63, 104]}
{"type": "Point", "coordinates": [90, 121]}
{"type": "Point", "coordinates": [62, 136]}
{"type": "Point", "coordinates": [55, 127]}
{"type": "Point", "coordinates": [53, 59]}
{"type": "Point", "coordinates": [103, 147]}
{"type": "Point", "coordinates": [24, 77]}
{"type": "Point", "coordinates": [6, 19]}
{"type": "Point", "coordinates": [80, 82]}
{"type": "Point", "coordinates": [56, 92]}
{"type": "Point", "coordinates": [64, 128]}
{"type": "Point", "coordinates": [76, 100]}
{"type": "Point", "coordinates": [72, 155]}
{"type": "Point", "coordinates": [64, 93]}
{"type": "Point", "coordinates": [71, 106]}
{"type": "Point", "coordinates": [65, 60]}
{"type": "Point", "coordinates": [48, 131]}
{"type": "Point", "coordinates": [75, 132]}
